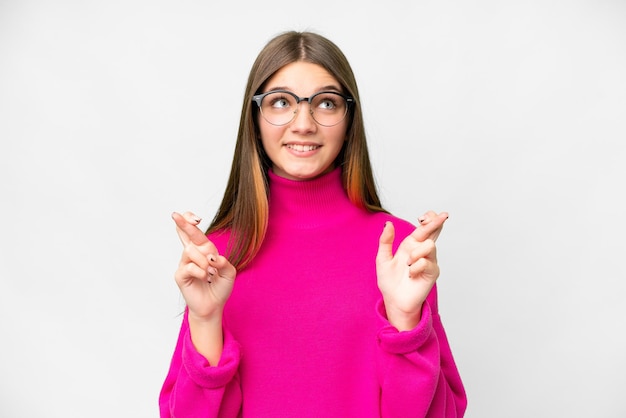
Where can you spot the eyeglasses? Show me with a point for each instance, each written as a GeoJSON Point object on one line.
{"type": "Point", "coordinates": [279, 107]}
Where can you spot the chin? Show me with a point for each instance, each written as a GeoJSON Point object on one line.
{"type": "Point", "coordinates": [302, 173]}
{"type": "Point", "coordinates": [304, 176]}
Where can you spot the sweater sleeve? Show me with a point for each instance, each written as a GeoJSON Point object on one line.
{"type": "Point", "coordinates": [416, 370]}
{"type": "Point", "coordinates": [193, 388]}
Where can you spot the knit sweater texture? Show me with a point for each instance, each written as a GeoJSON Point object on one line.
{"type": "Point", "coordinates": [305, 330]}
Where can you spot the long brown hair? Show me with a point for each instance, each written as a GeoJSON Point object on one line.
{"type": "Point", "coordinates": [244, 208]}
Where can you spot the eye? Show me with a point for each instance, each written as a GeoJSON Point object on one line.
{"type": "Point", "coordinates": [279, 102]}
{"type": "Point", "coordinates": [327, 104]}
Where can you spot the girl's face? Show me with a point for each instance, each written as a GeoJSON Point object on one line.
{"type": "Point", "coordinates": [302, 149]}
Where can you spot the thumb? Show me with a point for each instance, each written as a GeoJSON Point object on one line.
{"type": "Point", "coordinates": [385, 244]}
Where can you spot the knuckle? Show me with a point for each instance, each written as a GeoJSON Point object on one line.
{"type": "Point", "coordinates": [190, 248]}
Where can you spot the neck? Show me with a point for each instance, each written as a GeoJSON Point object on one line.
{"type": "Point", "coordinates": [308, 203]}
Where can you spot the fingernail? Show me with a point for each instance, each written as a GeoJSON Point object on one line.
{"type": "Point", "coordinates": [422, 219]}
{"type": "Point", "coordinates": [212, 271]}
{"type": "Point", "coordinates": [211, 257]}
{"type": "Point", "coordinates": [197, 220]}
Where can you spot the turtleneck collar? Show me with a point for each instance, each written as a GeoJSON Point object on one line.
{"type": "Point", "coordinates": [308, 203]}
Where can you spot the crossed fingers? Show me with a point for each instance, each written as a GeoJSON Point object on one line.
{"type": "Point", "coordinates": [430, 226]}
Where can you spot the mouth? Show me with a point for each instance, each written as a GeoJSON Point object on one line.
{"type": "Point", "coordinates": [302, 148]}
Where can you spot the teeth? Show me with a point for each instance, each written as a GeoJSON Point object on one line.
{"type": "Point", "coordinates": [302, 148]}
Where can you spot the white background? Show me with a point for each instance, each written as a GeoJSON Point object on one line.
{"type": "Point", "coordinates": [510, 115]}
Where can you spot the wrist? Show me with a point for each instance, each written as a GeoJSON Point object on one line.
{"type": "Point", "coordinates": [207, 320]}
{"type": "Point", "coordinates": [207, 336]}
{"type": "Point", "coordinates": [403, 320]}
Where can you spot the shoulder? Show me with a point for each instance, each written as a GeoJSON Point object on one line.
{"type": "Point", "coordinates": [219, 239]}
{"type": "Point", "coordinates": [402, 226]}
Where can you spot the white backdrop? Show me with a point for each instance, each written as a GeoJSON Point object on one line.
{"type": "Point", "coordinates": [509, 115]}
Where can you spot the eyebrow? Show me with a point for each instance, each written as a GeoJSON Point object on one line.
{"type": "Point", "coordinates": [330, 87]}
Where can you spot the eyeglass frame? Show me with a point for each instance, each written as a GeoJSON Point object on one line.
{"type": "Point", "coordinates": [258, 98]}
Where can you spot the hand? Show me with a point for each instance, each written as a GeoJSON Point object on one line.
{"type": "Point", "coordinates": [204, 277]}
{"type": "Point", "coordinates": [406, 278]}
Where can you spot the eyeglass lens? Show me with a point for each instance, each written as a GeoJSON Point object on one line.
{"type": "Point", "coordinates": [327, 108]}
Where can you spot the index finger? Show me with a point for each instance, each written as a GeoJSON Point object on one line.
{"type": "Point", "coordinates": [187, 232]}
{"type": "Point", "coordinates": [430, 226]}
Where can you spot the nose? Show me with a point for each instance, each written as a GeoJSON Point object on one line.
{"type": "Point", "coordinates": [303, 119]}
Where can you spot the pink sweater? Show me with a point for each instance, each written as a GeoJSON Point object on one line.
{"type": "Point", "coordinates": [305, 332]}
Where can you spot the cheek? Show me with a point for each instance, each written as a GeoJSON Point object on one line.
{"type": "Point", "coordinates": [340, 136]}
{"type": "Point", "coordinates": [338, 143]}
{"type": "Point", "coordinates": [270, 137]}
{"type": "Point", "coordinates": [265, 131]}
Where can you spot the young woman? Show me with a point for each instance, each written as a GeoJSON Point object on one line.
{"type": "Point", "coordinates": [305, 298]}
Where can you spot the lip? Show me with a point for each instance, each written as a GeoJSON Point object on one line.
{"type": "Point", "coordinates": [302, 149]}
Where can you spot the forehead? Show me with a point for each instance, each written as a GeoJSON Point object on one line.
{"type": "Point", "coordinates": [302, 77]}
